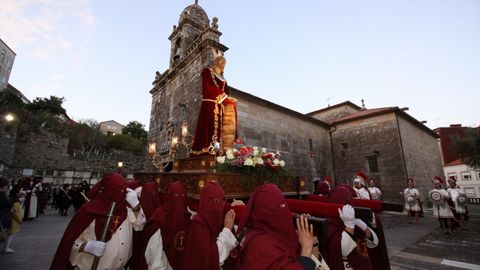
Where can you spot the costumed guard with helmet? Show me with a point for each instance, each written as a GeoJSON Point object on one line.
{"type": "Point", "coordinates": [459, 201]}
{"type": "Point", "coordinates": [359, 185]}
{"type": "Point", "coordinates": [375, 192]}
{"type": "Point", "coordinates": [441, 209]}
{"type": "Point", "coordinates": [413, 206]}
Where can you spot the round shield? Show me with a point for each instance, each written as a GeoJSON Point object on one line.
{"type": "Point", "coordinates": [436, 197]}
{"type": "Point", "coordinates": [462, 199]}
{"type": "Point", "coordinates": [410, 199]}
{"type": "Point", "coordinates": [375, 196]}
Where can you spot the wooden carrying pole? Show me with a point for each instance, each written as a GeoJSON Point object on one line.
{"type": "Point", "coordinates": [104, 233]}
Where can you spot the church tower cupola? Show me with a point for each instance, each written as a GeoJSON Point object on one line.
{"type": "Point", "coordinates": [192, 23]}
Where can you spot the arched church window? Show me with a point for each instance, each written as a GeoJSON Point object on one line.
{"type": "Point", "coordinates": [177, 51]}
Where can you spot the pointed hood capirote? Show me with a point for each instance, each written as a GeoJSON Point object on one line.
{"type": "Point", "coordinates": [201, 251]}
{"type": "Point", "coordinates": [111, 188]}
{"type": "Point", "coordinates": [268, 222]}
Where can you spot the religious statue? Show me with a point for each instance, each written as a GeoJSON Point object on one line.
{"type": "Point", "coordinates": [214, 23]}
{"type": "Point", "coordinates": [217, 121]}
{"type": "Point", "coordinates": [157, 77]}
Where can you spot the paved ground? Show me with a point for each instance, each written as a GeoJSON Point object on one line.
{"type": "Point", "coordinates": [36, 243]}
{"type": "Point", "coordinates": [411, 247]}
{"type": "Point", "coordinates": [435, 250]}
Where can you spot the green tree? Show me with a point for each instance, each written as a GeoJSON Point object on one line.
{"type": "Point", "coordinates": [126, 143]}
{"type": "Point", "coordinates": [85, 137]}
{"type": "Point", "coordinates": [9, 100]}
{"type": "Point", "coordinates": [468, 147]}
{"type": "Point", "coordinates": [136, 130]}
{"type": "Point", "coordinates": [51, 105]}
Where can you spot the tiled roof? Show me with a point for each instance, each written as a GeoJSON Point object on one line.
{"type": "Point", "coordinates": [345, 103]}
{"type": "Point", "coordinates": [364, 113]}
{"type": "Point", "coordinates": [455, 162]}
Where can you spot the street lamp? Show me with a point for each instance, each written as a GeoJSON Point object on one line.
{"type": "Point", "coordinates": [9, 117]}
{"type": "Point", "coordinates": [120, 165]}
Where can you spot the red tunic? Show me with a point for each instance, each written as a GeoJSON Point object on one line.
{"type": "Point", "coordinates": [210, 118]}
{"type": "Point", "coordinates": [172, 219]}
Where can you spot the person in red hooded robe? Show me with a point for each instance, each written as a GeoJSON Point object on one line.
{"type": "Point", "coordinates": [209, 238]}
{"type": "Point", "coordinates": [348, 238]}
{"type": "Point", "coordinates": [150, 199]}
{"type": "Point", "coordinates": [80, 243]}
{"type": "Point", "coordinates": [271, 241]}
{"type": "Point", "coordinates": [164, 235]}
{"type": "Point", "coordinates": [325, 186]}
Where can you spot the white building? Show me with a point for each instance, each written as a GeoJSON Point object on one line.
{"type": "Point", "coordinates": [467, 178]}
{"type": "Point", "coordinates": [111, 128]}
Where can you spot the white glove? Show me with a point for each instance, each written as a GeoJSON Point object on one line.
{"type": "Point", "coordinates": [132, 198]}
{"type": "Point", "coordinates": [360, 224]}
{"type": "Point", "coordinates": [347, 214]}
{"type": "Point", "coordinates": [96, 248]}
{"type": "Point", "coordinates": [237, 202]}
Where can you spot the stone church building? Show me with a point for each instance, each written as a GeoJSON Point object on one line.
{"type": "Point", "coordinates": [386, 143]}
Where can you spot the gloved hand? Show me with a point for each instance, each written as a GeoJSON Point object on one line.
{"type": "Point", "coordinates": [132, 198]}
{"type": "Point", "coordinates": [237, 202]}
{"type": "Point", "coordinates": [347, 214]}
{"type": "Point", "coordinates": [360, 224]}
{"type": "Point", "coordinates": [96, 248]}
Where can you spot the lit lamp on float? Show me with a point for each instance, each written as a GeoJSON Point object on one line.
{"type": "Point", "coordinates": [162, 160]}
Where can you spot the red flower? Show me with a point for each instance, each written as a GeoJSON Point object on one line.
{"type": "Point", "coordinates": [267, 155]}
{"type": "Point", "coordinates": [246, 150]}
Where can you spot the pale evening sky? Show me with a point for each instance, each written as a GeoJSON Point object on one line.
{"type": "Point", "coordinates": [102, 55]}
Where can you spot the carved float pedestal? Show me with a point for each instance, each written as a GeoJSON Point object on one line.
{"type": "Point", "coordinates": [195, 172]}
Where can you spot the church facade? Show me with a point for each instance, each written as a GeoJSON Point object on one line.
{"type": "Point", "coordinates": [309, 143]}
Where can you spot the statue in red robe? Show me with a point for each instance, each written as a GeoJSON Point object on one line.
{"type": "Point", "coordinates": [217, 121]}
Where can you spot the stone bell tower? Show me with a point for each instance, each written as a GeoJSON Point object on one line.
{"type": "Point", "coordinates": [177, 92]}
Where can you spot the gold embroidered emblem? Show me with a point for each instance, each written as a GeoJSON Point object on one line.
{"type": "Point", "coordinates": [180, 240]}
{"type": "Point", "coordinates": [362, 247]}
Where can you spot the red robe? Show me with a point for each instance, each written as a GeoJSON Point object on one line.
{"type": "Point", "coordinates": [172, 219]}
{"type": "Point", "coordinates": [110, 189]}
{"type": "Point", "coordinates": [150, 200]}
{"type": "Point", "coordinates": [210, 118]}
{"type": "Point", "coordinates": [359, 257]}
{"type": "Point", "coordinates": [322, 189]}
{"type": "Point", "coordinates": [271, 241]}
{"type": "Point", "coordinates": [201, 251]}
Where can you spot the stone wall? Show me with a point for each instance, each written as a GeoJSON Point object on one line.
{"type": "Point", "coordinates": [41, 152]}
{"type": "Point", "coordinates": [422, 155]}
{"type": "Point", "coordinates": [179, 100]}
{"type": "Point", "coordinates": [8, 135]}
{"type": "Point", "coordinates": [40, 149]}
{"type": "Point", "coordinates": [303, 142]}
{"type": "Point", "coordinates": [378, 137]}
